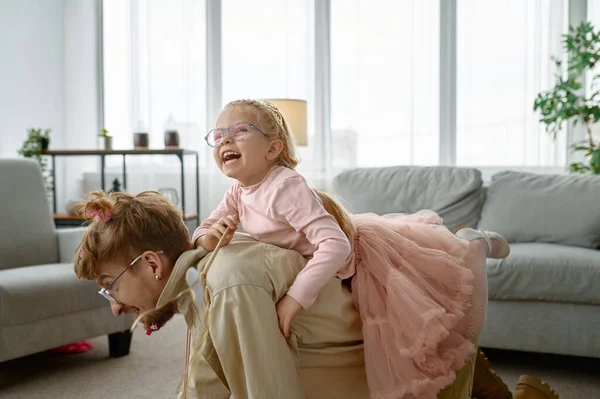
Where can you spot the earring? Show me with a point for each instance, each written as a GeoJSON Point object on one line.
{"type": "Point", "coordinates": [158, 278]}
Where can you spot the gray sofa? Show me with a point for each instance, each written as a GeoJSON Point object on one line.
{"type": "Point", "coordinates": [545, 297]}
{"type": "Point", "coordinates": [42, 303]}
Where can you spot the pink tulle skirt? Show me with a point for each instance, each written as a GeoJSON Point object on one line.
{"type": "Point", "coordinates": [412, 289]}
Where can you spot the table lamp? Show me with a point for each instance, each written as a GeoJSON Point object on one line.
{"type": "Point", "coordinates": [294, 113]}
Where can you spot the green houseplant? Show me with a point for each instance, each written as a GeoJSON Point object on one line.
{"type": "Point", "coordinates": [104, 140]}
{"type": "Point", "coordinates": [35, 144]}
{"type": "Point", "coordinates": [567, 100]}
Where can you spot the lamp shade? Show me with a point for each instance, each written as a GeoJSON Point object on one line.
{"type": "Point", "coordinates": [294, 113]}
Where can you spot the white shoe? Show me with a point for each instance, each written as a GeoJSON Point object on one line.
{"type": "Point", "coordinates": [469, 234]}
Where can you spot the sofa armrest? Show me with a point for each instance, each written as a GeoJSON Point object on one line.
{"type": "Point", "coordinates": [68, 240]}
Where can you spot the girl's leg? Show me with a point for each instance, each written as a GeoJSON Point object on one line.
{"type": "Point", "coordinates": [481, 246]}
{"type": "Point", "coordinates": [474, 320]}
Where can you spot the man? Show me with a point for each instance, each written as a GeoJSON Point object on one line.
{"type": "Point", "coordinates": [137, 249]}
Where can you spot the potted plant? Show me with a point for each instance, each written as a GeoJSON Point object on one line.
{"type": "Point", "coordinates": [104, 140]}
{"type": "Point", "coordinates": [567, 100]}
{"type": "Point", "coordinates": [34, 146]}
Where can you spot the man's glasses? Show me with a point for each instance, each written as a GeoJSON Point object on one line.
{"type": "Point", "coordinates": [104, 291]}
{"type": "Point", "coordinates": [237, 132]}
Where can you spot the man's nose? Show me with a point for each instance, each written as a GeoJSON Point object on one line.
{"type": "Point", "coordinates": [116, 309]}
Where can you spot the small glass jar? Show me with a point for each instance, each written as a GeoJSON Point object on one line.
{"type": "Point", "coordinates": [171, 134]}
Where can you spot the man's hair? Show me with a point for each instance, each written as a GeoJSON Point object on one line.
{"type": "Point", "coordinates": [123, 226]}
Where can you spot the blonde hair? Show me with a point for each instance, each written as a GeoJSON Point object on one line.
{"type": "Point", "coordinates": [273, 124]}
{"type": "Point", "coordinates": [123, 226]}
{"type": "Point", "coordinates": [341, 215]}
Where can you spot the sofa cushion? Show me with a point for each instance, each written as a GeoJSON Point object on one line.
{"type": "Point", "coordinates": [26, 227]}
{"type": "Point", "coordinates": [526, 207]}
{"type": "Point", "coordinates": [546, 272]}
{"type": "Point", "coordinates": [39, 292]}
{"type": "Point", "coordinates": [454, 193]}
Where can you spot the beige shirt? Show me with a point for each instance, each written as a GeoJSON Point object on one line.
{"type": "Point", "coordinates": [247, 355]}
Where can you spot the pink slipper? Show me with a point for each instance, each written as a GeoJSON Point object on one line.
{"type": "Point", "coordinates": [75, 347]}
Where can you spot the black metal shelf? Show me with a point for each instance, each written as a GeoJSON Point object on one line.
{"type": "Point", "coordinates": [179, 152]}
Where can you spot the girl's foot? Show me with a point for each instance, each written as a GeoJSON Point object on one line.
{"type": "Point", "coordinates": [498, 247]}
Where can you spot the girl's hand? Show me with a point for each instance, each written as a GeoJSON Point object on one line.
{"type": "Point", "coordinates": [287, 308]}
{"type": "Point", "coordinates": [214, 233]}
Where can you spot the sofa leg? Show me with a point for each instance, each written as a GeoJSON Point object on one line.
{"type": "Point", "coordinates": [119, 343]}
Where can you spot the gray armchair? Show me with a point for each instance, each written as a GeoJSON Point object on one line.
{"type": "Point", "coordinates": [42, 303]}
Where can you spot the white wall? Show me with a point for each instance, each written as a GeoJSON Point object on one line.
{"type": "Point", "coordinates": [31, 71]}
{"type": "Point", "coordinates": [81, 95]}
{"type": "Point", "coordinates": [49, 79]}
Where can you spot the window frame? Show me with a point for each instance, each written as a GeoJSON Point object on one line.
{"type": "Point", "coordinates": [578, 11]}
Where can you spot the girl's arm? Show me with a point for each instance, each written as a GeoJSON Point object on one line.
{"type": "Point", "coordinates": [298, 205]}
{"type": "Point", "coordinates": [228, 206]}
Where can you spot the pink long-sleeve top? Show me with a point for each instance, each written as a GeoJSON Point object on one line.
{"type": "Point", "coordinates": [283, 210]}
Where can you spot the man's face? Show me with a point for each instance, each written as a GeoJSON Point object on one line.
{"type": "Point", "coordinates": [138, 289]}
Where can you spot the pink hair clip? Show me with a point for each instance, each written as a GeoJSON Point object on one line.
{"type": "Point", "coordinates": [99, 216]}
{"type": "Point", "coordinates": [152, 328]}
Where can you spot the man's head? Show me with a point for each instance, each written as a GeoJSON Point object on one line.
{"type": "Point", "coordinates": [130, 248]}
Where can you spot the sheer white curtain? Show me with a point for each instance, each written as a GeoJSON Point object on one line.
{"type": "Point", "coordinates": [503, 61]}
{"type": "Point", "coordinates": [155, 59]}
{"type": "Point", "coordinates": [267, 53]}
{"type": "Point", "coordinates": [155, 68]}
{"type": "Point", "coordinates": [384, 58]}
{"type": "Point", "coordinates": [593, 10]}
{"type": "Point", "coordinates": [384, 82]}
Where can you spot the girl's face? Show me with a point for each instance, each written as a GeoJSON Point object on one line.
{"type": "Point", "coordinates": [138, 289]}
{"type": "Point", "coordinates": [249, 160]}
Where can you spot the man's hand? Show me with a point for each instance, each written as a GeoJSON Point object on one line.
{"type": "Point", "coordinates": [287, 308]}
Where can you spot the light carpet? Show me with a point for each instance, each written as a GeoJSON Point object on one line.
{"type": "Point", "coordinates": [154, 367]}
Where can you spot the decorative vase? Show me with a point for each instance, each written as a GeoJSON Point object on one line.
{"type": "Point", "coordinates": [140, 141]}
{"type": "Point", "coordinates": [44, 143]}
{"type": "Point", "coordinates": [171, 139]}
{"type": "Point", "coordinates": [105, 143]}
{"type": "Point", "coordinates": [171, 134]}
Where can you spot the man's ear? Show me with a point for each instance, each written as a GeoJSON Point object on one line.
{"type": "Point", "coordinates": [155, 263]}
{"type": "Point", "coordinates": [275, 148]}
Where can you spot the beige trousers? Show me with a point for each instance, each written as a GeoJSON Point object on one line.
{"type": "Point", "coordinates": [248, 357]}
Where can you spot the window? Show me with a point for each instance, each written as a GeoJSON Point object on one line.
{"type": "Point", "coordinates": [593, 11]}
{"type": "Point", "coordinates": [267, 53]}
{"type": "Point", "coordinates": [384, 63]}
{"type": "Point", "coordinates": [116, 74]}
{"type": "Point", "coordinates": [504, 51]}
{"type": "Point", "coordinates": [384, 82]}
{"type": "Point", "coordinates": [154, 68]}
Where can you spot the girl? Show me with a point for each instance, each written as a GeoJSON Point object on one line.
{"type": "Point", "coordinates": [421, 291]}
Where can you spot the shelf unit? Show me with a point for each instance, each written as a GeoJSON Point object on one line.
{"type": "Point", "coordinates": [68, 220]}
